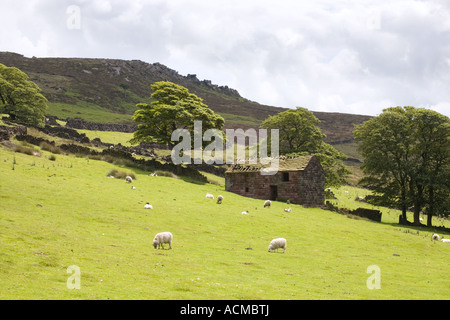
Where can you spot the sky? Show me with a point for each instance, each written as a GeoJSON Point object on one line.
{"type": "Point", "coordinates": [349, 56]}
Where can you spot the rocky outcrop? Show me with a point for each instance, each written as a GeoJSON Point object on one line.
{"type": "Point", "coordinates": [214, 87]}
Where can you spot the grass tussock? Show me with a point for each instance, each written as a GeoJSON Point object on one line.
{"type": "Point", "coordinates": [118, 174]}
{"type": "Point", "coordinates": [163, 173]}
{"type": "Point", "coordinates": [26, 150]}
{"type": "Point", "coordinates": [50, 147]}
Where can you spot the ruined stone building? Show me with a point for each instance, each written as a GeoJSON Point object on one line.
{"type": "Point", "coordinates": [299, 180]}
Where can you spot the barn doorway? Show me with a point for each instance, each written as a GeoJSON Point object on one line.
{"type": "Point", "coordinates": [273, 192]}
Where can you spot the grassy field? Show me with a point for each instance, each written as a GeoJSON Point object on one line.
{"type": "Point", "coordinates": [55, 214]}
{"type": "Point", "coordinates": [86, 111]}
{"type": "Point", "coordinates": [109, 136]}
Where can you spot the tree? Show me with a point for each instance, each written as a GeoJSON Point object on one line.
{"type": "Point", "coordinates": [298, 130]}
{"type": "Point", "coordinates": [299, 135]}
{"type": "Point", "coordinates": [385, 144]}
{"type": "Point", "coordinates": [173, 108]}
{"type": "Point", "coordinates": [431, 168]}
{"type": "Point", "coordinates": [21, 98]}
{"type": "Point", "coordinates": [406, 158]}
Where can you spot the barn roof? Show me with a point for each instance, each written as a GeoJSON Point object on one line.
{"type": "Point", "coordinates": [285, 164]}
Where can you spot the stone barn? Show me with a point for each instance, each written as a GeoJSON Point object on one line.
{"type": "Point", "coordinates": [300, 180]}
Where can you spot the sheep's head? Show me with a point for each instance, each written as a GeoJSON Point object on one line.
{"type": "Point", "coordinates": [155, 244]}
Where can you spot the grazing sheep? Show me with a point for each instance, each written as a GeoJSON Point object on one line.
{"type": "Point", "coordinates": [133, 188]}
{"type": "Point", "coordinates": [209, 195]}
{"type": "Point", "coordinates": [267, 203]}
{"type": "Point", "coordinates": [148, 206]}
{"type": "Point", "coordinates": [244, 212]}
{"type": "Point", "coordinates": [435, 237]}
{"type": "Point", "coordinates": [445, 240]}
{"type": "Point", "coordinates": [287, 210]}
{"type": "Point", "coordinates": [277, 243]}
{"type": "Point", "coordinates": [219, 199]}
{"type": "Point", "coordinates": [162, 238]}
{"type": "Point", "coordinates": [129, 179]}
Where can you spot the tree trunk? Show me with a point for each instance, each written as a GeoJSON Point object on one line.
{"type": "Point", "coordinates": [430, 211]}
{"type": "Point", "coordinates": [417, 216]}
{"type": "Point", "coordinates": [417, 201]}
{"type": "Point", "coordinates": [404, 204]}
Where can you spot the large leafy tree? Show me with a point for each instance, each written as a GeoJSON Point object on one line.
{"type": "Point", "coordinates": [299, 134]}
{"type": "Point", "coordinates": [385, 144]}
{"type": "Point", "coordinates": [173, 107]}
{"type": "Point", "coordinates": [21, 98]}
{"type": "Point", "coordinates": [430, 189]}
{"type": "Point", "coordinates": [407, 159]}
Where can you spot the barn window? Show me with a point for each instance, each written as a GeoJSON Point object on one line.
{"type": "Point", "coordinates": [246, 189]}
{"type": "Point", "coordinates": [285, 176]}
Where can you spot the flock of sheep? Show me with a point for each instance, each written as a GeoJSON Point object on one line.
{"type": "Point", "coordinates": [280, 243]}
{"type": "Point", "coordinates": [275, 244]}
{"type": "Point", "coordinates": [166, 237]}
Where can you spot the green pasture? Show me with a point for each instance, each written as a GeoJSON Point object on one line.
{"type": "Point", "coordinates": [65, 212]}
{"type": "Point", "coordinates": [86, 111]}
{"type": "Point", "coordinates": [109, 136]}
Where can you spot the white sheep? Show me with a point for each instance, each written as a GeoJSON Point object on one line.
{"type": "Point", "coordinates": [148, 206]}
{"type": "Point", "coordinates": [287, 210]}
{"type": "Point", "coordinates": [162, 238]}
{"type": "Point", "coordinates": [267, 203]}
{"type": "Point", "coordinates": [209, 195]}
{"type": "Point", "coordinates": [128, 179]}
{"type": "Point", "coordinates": [244, 212]}
{"type": "Point", "coordinates": [133, 188]}
{"type": "Point", "coordinates": [445, 240]}
{"type": "Point", "coordinates": [219, 199]}
{"type": "Point", "coordinates": [277, 243]}
{"type": "Point", "coordinates": [435, 237]}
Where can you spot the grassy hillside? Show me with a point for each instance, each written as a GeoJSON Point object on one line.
{"type": "Point", "coordinates": [65, 212]}
{"type": "Point", "coordinates": [107, 90]}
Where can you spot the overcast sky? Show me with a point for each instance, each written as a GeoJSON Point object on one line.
{"type": "Point", "coordinates": [352, 56]}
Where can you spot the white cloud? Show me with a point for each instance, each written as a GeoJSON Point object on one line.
{"type": "Point", "coordinates": [324, 55]}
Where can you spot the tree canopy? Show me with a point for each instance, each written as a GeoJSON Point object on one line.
{"type": "Point", "coordinates": [406, 154]}
{"type": "Point", "coordinates": [173, 107]}
{"type": "Point", "coordinates": [21, 98]}
{"type": "Point", "coordinates": [299, 134]}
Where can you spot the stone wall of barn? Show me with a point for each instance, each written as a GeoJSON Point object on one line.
{"type": "Point", "coordinates": [300, 187]}
{"type": "Point", "coordinates": [312, 185]}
